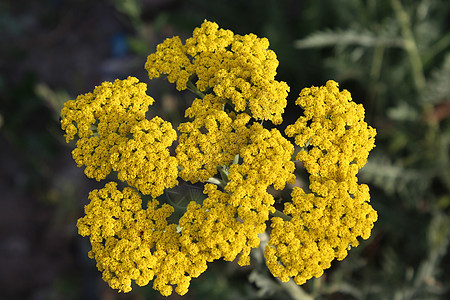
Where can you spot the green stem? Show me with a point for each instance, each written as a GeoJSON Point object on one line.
{"type": "Point", "coordinates": [436, 48]}
{"type": "Point", "coordinates": [219, 182]}
{"type": "Point", "coordinates": [377, 62]}
{"type": "Point", "coordinates": [235, 159]}
{"type": "Point", "coordinates": [295, 291]}
{"type": "Point", "coordinates": [279, 214]}
{"type": "Point", "coordinates": [410, 45]}
{"type": "Point", "coordinates": [223, 170]}
{"type": "Point", "coordinates": [375, 71]}
{"type": "Point", "coordinates": [194, 89]}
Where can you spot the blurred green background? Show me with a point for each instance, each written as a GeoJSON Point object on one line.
{"type": "Point", "coordinates": [393, 56]}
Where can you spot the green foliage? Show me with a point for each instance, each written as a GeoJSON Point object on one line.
{"type": "Point", "coordinates": [398, 58]}
{"type": "Point", "coordinates": [438, 88]}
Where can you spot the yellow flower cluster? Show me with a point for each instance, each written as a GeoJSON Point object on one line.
{"type": "Point", "coordinates": [144, 161]}
{"type": "Point", "coordinates": [338, 135]}
{"type": "Point", "coordinates": [113, 135]}
{"type": "Point", "coordinates": [212, 139]}
{"type": "Point", "coordinates": [130, 243]}
{"type": "Point", "coordinates": [122, 235]}
{"type": "Point", "coordinates": [225, 146]}
{"type": "Point", "coordinates": [239, 69]}
{"type": "Point", "coordinates": [212, 231]}
{"type": "Point", "coordinates": [103, 119]}
{"type": "Point", "coordinates": [227, 223]}
{"type": "Point", "coordinates": [326, 222]}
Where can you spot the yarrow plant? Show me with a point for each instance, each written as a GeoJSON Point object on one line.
{"type": "Point", "coordinates": [225, 146]}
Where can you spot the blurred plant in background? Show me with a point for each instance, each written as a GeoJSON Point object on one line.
{"type": "Point", "coordinates": [400, 52]}
{"type": "Point", "coordinates": [392, 55]}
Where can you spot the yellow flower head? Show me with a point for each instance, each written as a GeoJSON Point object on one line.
{"type": "Point", "coordinates": [170, 59]}
{"type": "Point", "coordinates": [239, 69]}
{"type": "Point", "coordinates": [266, 160]}
{"type": "Point", "coordinates": [122, 235]}
{"type": "Point", "coordinates": [321, 229]}
{"type": "Point", "coordinates": [212, 139]}
{"type": "Point", "coordinates": [212, 231]}
{"type": "Point", "coordinates": [144, 161]}
{"type": "Point", "coordinates": [333, 130]}
{"type": "Point", "coordinates": [130, 243]}
{"type": "Point", "coordinates": [325, 223]}
{"type": "Point", "coordinates": [225, 146]}
{"type": "Point", "coordinates": [113, 135]}
{"type": "Point", "coordinates": [102, 119]}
